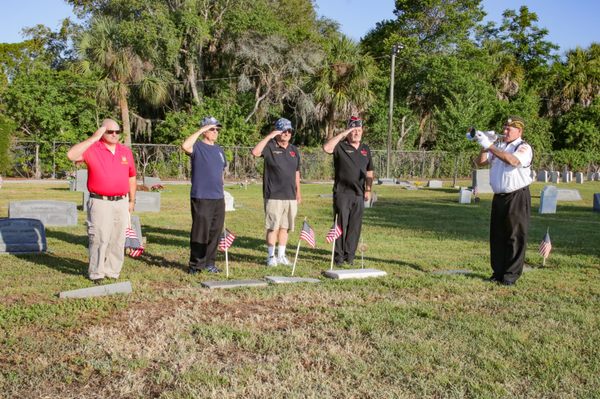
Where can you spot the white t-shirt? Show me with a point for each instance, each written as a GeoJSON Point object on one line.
{"type": "Point", "coordinates": [505, 178]}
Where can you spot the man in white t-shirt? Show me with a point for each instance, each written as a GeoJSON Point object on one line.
{"type": "Point", "coordinates": [510, 177]}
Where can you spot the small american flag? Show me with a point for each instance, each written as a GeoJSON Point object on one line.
{"type": "Point", "coordinates": [133, 242]}
{"type": "Point", "coordinates": [226, 240]}
{"type": "Point", "coordinates": [545, 246]}
{"type": "Point", "coordinates": [307, 234]}
{"type": "Point", "coordinates": [334, 233]}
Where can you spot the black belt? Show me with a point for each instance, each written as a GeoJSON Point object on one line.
{"type": "Point", "coordinates": [107, 197]}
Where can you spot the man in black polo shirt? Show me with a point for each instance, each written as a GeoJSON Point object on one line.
{"type": "Point", "coordinates": [281, 188]}
{"type": "Point", "coordinates": [353, 181]}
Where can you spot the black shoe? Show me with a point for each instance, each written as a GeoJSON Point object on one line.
{"type": "Point", "coordinates": [350, 262]}
{"type": "Point", "coordinates": [212, 269]}
{"type": "Point", "coordinates": [193, 271]}
{"type": "Point", "coordinates": [98, 281]}
{"type": "Point", "coordinates": [494, 279]}
{"type": "Point", "coordinates": [507, 282]}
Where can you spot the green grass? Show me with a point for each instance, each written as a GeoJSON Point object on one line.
{"type": "Point", "coordinates": [411, 334]}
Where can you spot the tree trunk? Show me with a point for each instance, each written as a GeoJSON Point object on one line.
{"type": "Point", "coordinates": [192, 79]}
{"type": "Point", "coordinates": [125, 118]}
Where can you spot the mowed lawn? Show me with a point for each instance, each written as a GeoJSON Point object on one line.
{"type": "Point", "coordinates": [411, 334]}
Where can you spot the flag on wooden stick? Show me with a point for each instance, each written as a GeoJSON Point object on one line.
{"type": "Point", "coordinates": [545, 246]}
{"type": "Point", "coordinates": [334, 233]}
{"type": "Point", "coordinates": [226, 240]}
{"type": "Point", "coordinates": [307, 234]}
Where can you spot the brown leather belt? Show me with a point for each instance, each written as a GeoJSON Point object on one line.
{"type": "Point", "coordinates": [107, 197]}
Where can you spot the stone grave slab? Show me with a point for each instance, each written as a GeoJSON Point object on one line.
{"type": "Point", "coordinates": [234, 284]}
{"type": "Point", "coordinates": [451, 272]}
{"type": "Point", "coordinates": [136, 225]}
{"type": "Point", "coordinates": [372, 201]}
{"type": "Point", "coordinates": [579, 178]}
{"type": "Point", "coordinates": [464, 196]}
{"type": "Point", "coordinates": [590, 176]}
{"type": "Point", "coordinates": [481, 181]}
{"type": "Point", "coordinates": [86, 198]}
{"type": "Point", "coordinates": [50, 213]}
{"type": "Point", "coordinates": [347, 274]}
{"type": "Point", "coordinates": [386, 181]}
{"type": "Point", "coordinates": [228, 201]}
{"type": "Point", "coordinates": [543, 176]}
{"type": "Point", "coordinates": [568, 195]}
{"type": "Point", "coordinates": [555, 177]}
{"type": "Point", "coordinates": [21, 236]}
{"type": "Point", "coordinates": [434, 184]}
{"type": "Point", "coordinates": [597, 176]}
{"type": "Point", "coordinates": [81, 177]}
{"type": "Point", "coordinates": [99, 290]}
{"type": "Point", "coordinates": [146, 201]}
{"type": "Point", "coordinates": [596, 202]}
{"type": "Point", "coordinates": [150, 181]}
{"type": "Point", "coordinates": [290, 280]}
{"type": "Point", "coordinates": [548, 198]}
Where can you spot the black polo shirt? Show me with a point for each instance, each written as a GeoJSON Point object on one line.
{"type": "Point", "coordinates": [281, 164]}
{"type": "Point", "coordinates": [351, 166]}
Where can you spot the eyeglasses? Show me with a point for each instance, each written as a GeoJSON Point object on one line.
{"type": "Point", "coordinates": [112, 132]}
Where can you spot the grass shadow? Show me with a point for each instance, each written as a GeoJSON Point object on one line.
{"type": "Point", "coordinates": [60, 264]}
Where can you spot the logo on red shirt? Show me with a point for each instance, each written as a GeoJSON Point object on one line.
{"type": "Point", "coordinates": [293, 153]}
{"type": "Point", "coordinates": [123, 160]}
{"type": "Point", "coordinates": [363, 152]}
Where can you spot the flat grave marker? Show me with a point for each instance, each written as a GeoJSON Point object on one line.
{"type": "Point", "coordinates": [346, 274]}
{"type": "Point", "coordinates": [290, 280]}
{"type": "Point", "coordinates": [146, 201]}
{"type": "Point", "coordinates": [99, 290]}
{"type": "Point", "coordinates": [234, 284]}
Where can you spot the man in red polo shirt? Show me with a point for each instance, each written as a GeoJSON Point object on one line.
{"type": "Point", "coordinates": [111, 176]}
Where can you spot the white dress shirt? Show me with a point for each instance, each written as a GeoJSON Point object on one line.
{"type": "Point", "coordinates": [505, 178]}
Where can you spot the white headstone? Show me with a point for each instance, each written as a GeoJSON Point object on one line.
{"type": "Point", "coordinates": [548, 199]}
{"type": "Point", "coordinates": [228, 201]}
{"type": "Point", "coordinates": [464, 196]}
{"type": "Point", "coordinates": [434, 184]}
{"type": "Point", "coordinates": [481, 181]}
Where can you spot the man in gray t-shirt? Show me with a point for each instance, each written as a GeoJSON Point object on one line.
{"type": "Point", "coordinates": [207, 199]}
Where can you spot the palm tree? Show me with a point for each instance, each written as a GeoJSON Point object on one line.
{"type": "Point", "coordinates": [101, 49]}
{"type": "Point", "coordinates": [582, 76]}
{"type": "Point", "coordinates": [341, 87]}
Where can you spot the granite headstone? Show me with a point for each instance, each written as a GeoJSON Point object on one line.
{"type": "Point", "coordinates": [21, 235]}
{"type": "Point", "coordinates": [146, 201]}
{"type": "Point", "coordinates": [596, 202]}
{"type": "Point", "coordinates": [50, 213]}
{"type": "Point", "coordinates": [579, 178]}
{"type": "Point", "coordinates": [542, 176]}
{"type": "Point", "coordinates": [81, 178]}
{"type": "Point", "coordinates": [555, 177]}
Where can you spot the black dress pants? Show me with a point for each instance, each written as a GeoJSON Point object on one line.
{"type": "Point", "coordinates": [208, 217]}
{"type": "Point", "coordinates": [349, 207]}
{"type": "Point", "coordinates": [508, 233]}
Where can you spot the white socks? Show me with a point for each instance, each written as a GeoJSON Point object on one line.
{"type": "Point", "coordinates": [280, 251]}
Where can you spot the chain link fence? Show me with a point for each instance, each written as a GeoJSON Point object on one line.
{"type": "Point", "coordinates": [49, 160]}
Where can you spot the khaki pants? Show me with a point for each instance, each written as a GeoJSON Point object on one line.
{"type": "Point", "coordinates": [107, 221]}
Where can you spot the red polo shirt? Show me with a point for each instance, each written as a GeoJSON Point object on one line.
{"type": "Point", "coordinates": [109, 174]}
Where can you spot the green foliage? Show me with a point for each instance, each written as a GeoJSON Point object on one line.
{"type": "Point", "coordinates": [179, 125]}
{"type": "Point", "coordinates": [7, 128]}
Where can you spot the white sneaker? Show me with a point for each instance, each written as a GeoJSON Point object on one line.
{"type": "Point", "coordinates": [271, 261]}
{"type": "Point", "coordinates": [283, 260]}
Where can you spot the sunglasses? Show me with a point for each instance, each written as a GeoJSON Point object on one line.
{"type": "Point", "coordinates": [290, 131]}
{"type": "Point", "coordinates": [214, 129]}
{"type": "Point", "coordinates": [112, 132]}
